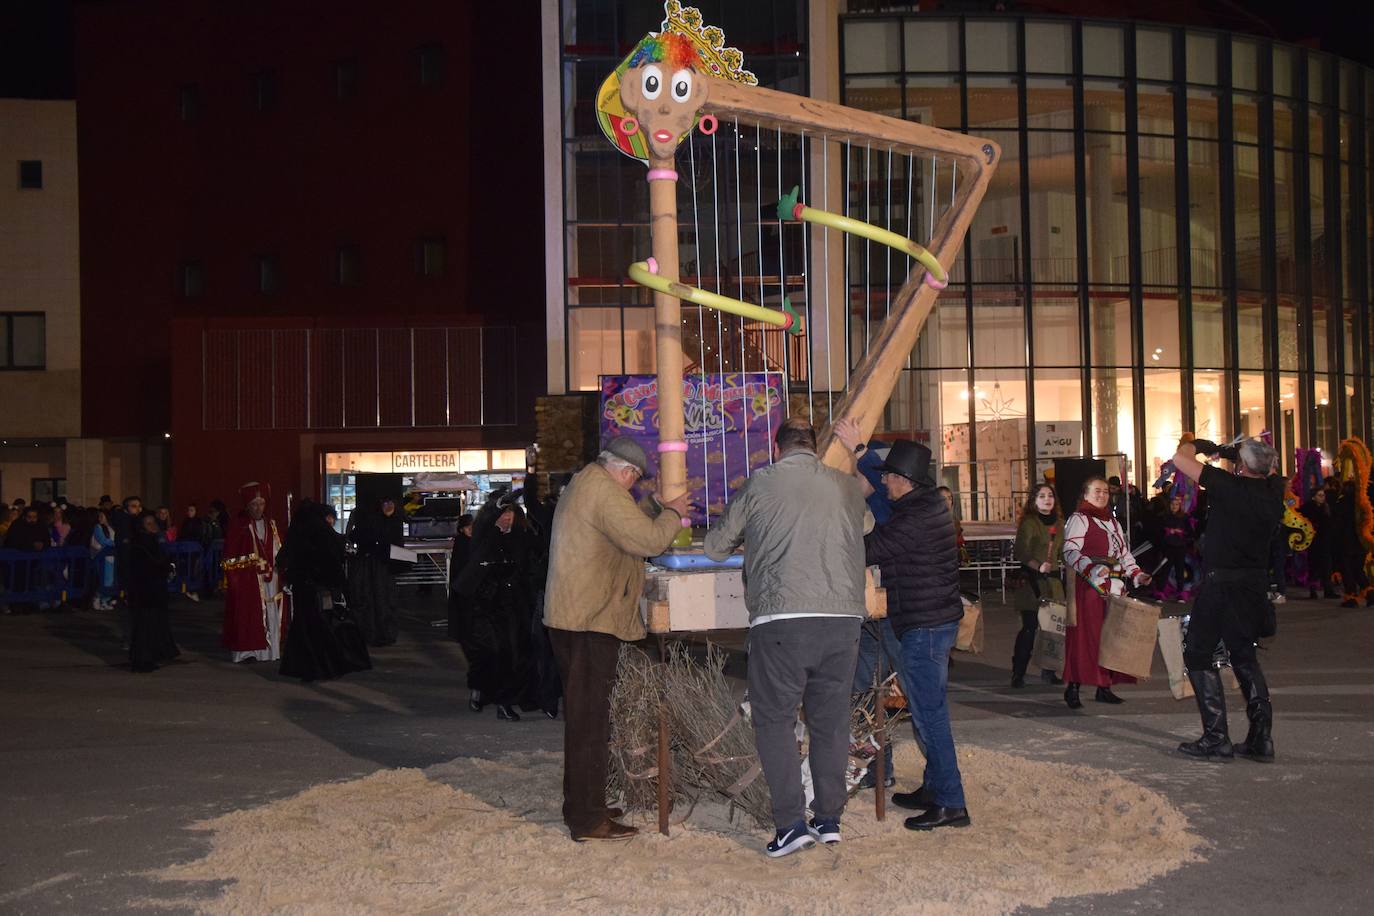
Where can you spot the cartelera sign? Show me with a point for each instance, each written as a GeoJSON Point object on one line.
{"type": "Point", "coordinates": [424, 461]}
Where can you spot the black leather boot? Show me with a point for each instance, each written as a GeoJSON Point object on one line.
{"type": "Point", "coordinates": [1071, 696]}
{"type": "Point", "coordinates": [1020, 657]}
{"type": "Point", "coordinates": [1215, 743]}
{"type": "Point", "coordinates": [1259, 743]}
{"type": "Point", "coordinates": [1105, 695]}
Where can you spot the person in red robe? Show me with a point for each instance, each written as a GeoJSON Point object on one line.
{"type": "Point", "coordinates": [255, 609]}
{"type": "Point", "coordinates": [1099, 556]}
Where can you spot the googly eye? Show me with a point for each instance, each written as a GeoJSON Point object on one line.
{"type": "Point", "coordinates": [682, 85]}
{"type": "Point", "coordinates": [652, 82]}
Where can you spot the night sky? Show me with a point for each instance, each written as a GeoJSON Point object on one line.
{"type": "Point", "coordinates": [37, 55]}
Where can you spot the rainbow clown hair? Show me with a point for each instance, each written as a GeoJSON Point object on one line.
{"type": "Point", "coordinates": [668, 48]}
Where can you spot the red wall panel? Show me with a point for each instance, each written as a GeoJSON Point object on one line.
{"type": "Point", "coordinates": [312, 172]}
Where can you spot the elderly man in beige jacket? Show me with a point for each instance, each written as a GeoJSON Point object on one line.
{"type": "Point", "coordinates": [591, 606]}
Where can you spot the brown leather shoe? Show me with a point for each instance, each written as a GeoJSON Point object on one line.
{"type": "Point", "coordinates": [607, 830]}
{"type": "Point", "coordinates": [615, 813]}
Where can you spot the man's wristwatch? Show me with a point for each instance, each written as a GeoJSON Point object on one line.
{"type": "Point", "coordinates": [860, 448]}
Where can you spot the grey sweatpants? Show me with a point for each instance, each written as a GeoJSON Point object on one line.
{"type": "Point", "coordinates": [806, 661]}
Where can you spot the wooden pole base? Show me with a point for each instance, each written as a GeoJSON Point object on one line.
{"type": "Point", "coordinates": [665, 804]}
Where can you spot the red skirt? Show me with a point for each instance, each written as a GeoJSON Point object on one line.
{"type": "Point", "coordinates": [1084, 638]}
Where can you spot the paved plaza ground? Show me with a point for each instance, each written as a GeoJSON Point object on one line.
{"type": "Point", "coordinates": [102, 771]}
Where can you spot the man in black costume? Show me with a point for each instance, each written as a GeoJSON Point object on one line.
{"type": "Point", "coordinates": [323, 640]}
{"type": "Point", "coordinates": [494, 588]}
{"type": "Point", "coordinates": [372, 587]}
{"type": "Point", "coordinates": [1232, 607]}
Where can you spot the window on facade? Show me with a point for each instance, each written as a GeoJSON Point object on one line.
{"type": "Point", "coordinates": [269, 274]}
{"type": "Point", "coordinates": [346, 79]}
{"type": "Point", "coordinates": [1103, 51]}
{"type": "Point", "coordinates": [872, 47]}
{"type": "Point", "coordinates": [23, 340]}
{"type": "Point", "coordinates": [191, 279]}
{"type": "Point", "coordinates": [48, 489]}
{"type": "Point", "coordinates": [1163, 418]}
{"type": "Point", "coordinates": [348, 265]}
{"type": "Point", "coordinates": [265, 90]}
{"type": "Point", "coordinates": [991, 46]}
{"type": "Point", "coordinates": [1049, 47]}
{"type": "Point", "coordinates": [932, 45]}
{"type": "Point", "coordinates": [188, 102]}
{"type": "Point", "coordinates": [1154, 54]}
{"type": "Point", "coordinates": [429, 257]}
{"type": "Point", "coordinates": [429, 60]}
{"type": "Point", "coordinates": [1201, 53]}
{"type": "Point", "coordinates": [1245, 65]}
{"type": "Point", "coordinates": [30, 174]}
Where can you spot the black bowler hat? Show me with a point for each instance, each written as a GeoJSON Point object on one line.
{"type": "Point", "coordinates": [911, 460]}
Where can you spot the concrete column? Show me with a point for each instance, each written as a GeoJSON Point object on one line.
{"type": "Point", "coordinates": [85, 471]}
{"type": "Point", "coordinates": [1099, 169]}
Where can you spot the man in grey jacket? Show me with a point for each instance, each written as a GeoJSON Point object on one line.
{"type": "Point", "coordinates": [802, 525]}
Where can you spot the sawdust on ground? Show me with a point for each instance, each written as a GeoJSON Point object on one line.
{"type": "Point", "coordinates": [486, 836]}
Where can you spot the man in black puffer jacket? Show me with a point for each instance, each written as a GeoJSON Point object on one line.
{"type": "Point", "coordinates": [918, 553]}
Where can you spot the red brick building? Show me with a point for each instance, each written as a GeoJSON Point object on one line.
{"type": "Point", "coordinates": [301, 233]}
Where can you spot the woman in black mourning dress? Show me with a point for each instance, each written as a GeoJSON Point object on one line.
{"type": "Point", "coordinates": [323, 640]}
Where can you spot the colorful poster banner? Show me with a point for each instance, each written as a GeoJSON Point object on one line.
{"type": "Point", "coordinates": [730, 423]}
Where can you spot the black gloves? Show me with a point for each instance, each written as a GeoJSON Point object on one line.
{"type": "Point", "coordinates": [1206, 447]}
{"type": "Point", "coordinates": [1229, 452]}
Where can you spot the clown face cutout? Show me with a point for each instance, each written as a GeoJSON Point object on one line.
{"type": "Point", "coordinates": [663, 99]}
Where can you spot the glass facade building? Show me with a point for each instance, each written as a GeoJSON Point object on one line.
{"type": "Point", "coordinates": [1178, 236]}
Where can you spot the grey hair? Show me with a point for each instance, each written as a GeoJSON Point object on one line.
{"type": "Point", "coordinates": [1258, 457]}
{"type": "Point", "coordinates": [613, 462]}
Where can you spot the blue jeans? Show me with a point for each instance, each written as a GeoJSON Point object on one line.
{"type": "Point", "coordinates": [925, 677]}
{"type": "Point", "coordinates": [868, 653]}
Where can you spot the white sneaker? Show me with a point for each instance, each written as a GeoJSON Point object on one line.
{"type": "Point", "coordinates": [193, 596]}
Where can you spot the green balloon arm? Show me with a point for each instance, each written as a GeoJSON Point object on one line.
{"type": "Point", "coordinates": [641, 273]}
{"type": "Point", "coordinates": [790, 208]}
{"type": "Point", "coordinates": [788, 205]}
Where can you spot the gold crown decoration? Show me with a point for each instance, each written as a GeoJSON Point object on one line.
{"type": "Point", "coordinates": [723, 62]}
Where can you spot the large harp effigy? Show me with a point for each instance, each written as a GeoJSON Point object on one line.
{"type": "Point", "coordinates": [792, 214]}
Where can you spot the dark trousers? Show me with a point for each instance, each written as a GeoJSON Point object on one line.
{"type": "Point", "coordinates": [1352, 574]}
{"type": "Point", "coordinates": [1176, 565]}
{"type": "Point", "coordinates": [807, 661]}
{"type": "Point", "coordinates": [1025, 642]}
{"type": "Point", "coordinates": [1228, 612]}
{"type": "Point", "coordinates": [586, 663]}
{"type": "Point", "coordinates": [1278, 561]}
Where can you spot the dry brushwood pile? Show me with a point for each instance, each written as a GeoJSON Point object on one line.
{"type": "Point", "coordinates": [711, 746]}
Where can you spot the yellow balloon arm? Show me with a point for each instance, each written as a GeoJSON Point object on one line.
{"type": "Point", "coordinates": [643, 273]}
{"type": "Point", "coordinates": [791, 208]}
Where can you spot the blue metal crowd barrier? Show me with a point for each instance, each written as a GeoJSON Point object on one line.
{"type": "Point", "coordinates": [61, 575]}
{"type": "Point", "coordinates": [46, 577]}
{"type": "Point", "coordinates": [197, 565]}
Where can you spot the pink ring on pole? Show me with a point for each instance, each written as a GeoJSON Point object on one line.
{"type": "Point", "coordinates": [934, 283]}
{"type": "Point", "coordinates": [630, 126]}
{"type": "Point", "coordinates": [672, 446]}
{"type": "Point", "coordinates": [797, 211]}
{"type": "Point", "coordinates": [662, 175]}
{"type": "Point", "coordinates": [709, 124]}
{"type": "Point", "coordinates": [652, 265]}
